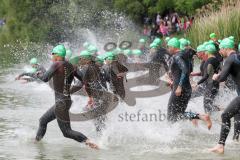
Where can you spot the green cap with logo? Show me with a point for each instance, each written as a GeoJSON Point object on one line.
{"type": "Point", "coordinates": [59, 50]}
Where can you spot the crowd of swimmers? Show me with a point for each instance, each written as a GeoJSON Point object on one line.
{"type": "Point", "coordinates": [91, 71]}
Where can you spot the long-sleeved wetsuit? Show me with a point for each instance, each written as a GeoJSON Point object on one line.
{"type": "Point", "coordinates": [91, 79]}
{"type": "Point", "coordinates": [211, 67]}
{"type": "Point", "coordinates": [157, 60]}
{"type": "Point", "coordinates": [201, 88]}
{"type": "Point", "coordinates": [231, 67]}
{"type": "Point", "coordinates": [180, 70]}
{"type": "Point", "coordinates": [39, 69]}
{"type": "Point", "coordinates": [116, 83]}
{"type": "Point", "coordinates": [62, 74]}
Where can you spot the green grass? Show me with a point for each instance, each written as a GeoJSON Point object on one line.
{"type": "Point", "coordinates": [225, 23]}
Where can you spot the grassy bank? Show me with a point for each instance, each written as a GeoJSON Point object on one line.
{"type": "Point", "coordinates": [225, 22]}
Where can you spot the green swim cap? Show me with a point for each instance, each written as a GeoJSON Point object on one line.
{"type": "Point", "coordinates": [86, 45]}
{"type": "Point", "coordinates": [210, 48]}
{"type": "Point", "coordinates": [59, 50]}
{"type": "Point", "coordinates": [74, 60]}
{"type": "Point", "coordinates": [183, 43]}
{"type": "Point", "coordinates": [127, 52]}
{"type": "Point", "coordinates": [158, 41]}
{"type": "Point", "coordinates": [210, 42]}
{"type": "Point", "coordinates": [68, 53]}
{"type": "Point", "coordinates": [153, 45]}
{"type": "Point", "coordinates": [100, 59]}
{"type": "Point", "coordinates": [137, 52]}
{"type": "Point", "coordinates": [142, 40]}
{"type": "Point", "coordinates": [33, 61]}
{"type": "Point", "coordinates": [167, 39]}
{"type": "Point", "coordinates": [231, 38]}
{"type": "Point", "coordinates": [226, 43]}
{"type": "Point", "coordinates": [212, 35]}
{"type": "Point", "coordinates": [174, 42]}
{"type": "Point", "coordinates": [85, 54]}
{"type": "Point", "coordinates": [201, 48]}
{"type": "Point", "coordinates": [110, 56]}
{"type": "Point", "coordinates": [92, 49]}
{"type": "Point", "coordinates": [205, 43]}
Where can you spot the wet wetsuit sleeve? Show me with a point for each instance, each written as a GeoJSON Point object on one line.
{"type": "Point", "coordinates": [78, 75]}
{"type": "Point", "coordinates": [76, 87]}
{"type": "Point", "coordinates": [119, 68]}
{"type": "Point", "coordinates": [79, 85]}
{"type": "Point", "coordinates": [207, 71]}
{"type": "Point", "coordinates": [42, 69]}
{"type": "Point", "coordinates": [49, 73]}
{"type": "Point", "coordinates": [27, 74]}
{"type": "Point", "coordinates": [226, 69]}
{"type": "Point", "coordinates": [183, 68]}
{"type": "Point", "coordinates": [106, 72]}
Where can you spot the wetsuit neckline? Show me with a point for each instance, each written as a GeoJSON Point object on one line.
{"type": "Point", "coordinates": [234, 52]}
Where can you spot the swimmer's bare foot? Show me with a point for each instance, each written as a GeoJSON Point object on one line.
{"type": "Point", "coordinates": [206, 118]}
{"type": "Point", "coordinates": [218, 149]}
{"type": "Point", "coordinates": [35, 141]}
{"type": "Point", "coordinates": [195, 122]}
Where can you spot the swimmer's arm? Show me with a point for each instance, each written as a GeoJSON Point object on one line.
{"type": "Point", "coordinates": [79, 85]}
{"type": "Point", "coordinates": [106, 73]}
{"type": "Point", "coordinates": [165, 66]}
{"type": "Point", "coordinates": [25, 74]}
{"type": "Point", "coordinates": [45, 77]}
{"type": "Point", "coordinates": [225, 70]}
{"type": "Point", "coordinates": [196, 74]}
{"type": "Point", "coordinates": [183, 68]}
{"type": "Point", "coordinates": [207, 72]}
{"type": "Point", "coordinates": [76, 88]}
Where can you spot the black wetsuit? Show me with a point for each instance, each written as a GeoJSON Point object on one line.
{"type": "Point", "coordinates": [92, 80]}
{"type": "Point", "coordinates": [156, 61]}
{"type": "Point", "coordinates": [217, 54]}
{"type": "Point", "coordinates": [103, 78]}
{"type": "Point", "coordinates": [39, 69]}
{"type": "Point", "coordinates": [201, 88]}
{"type": "Point", "coordinates": [181, 67]}
{"type": "Point", "coordinates": [231, 67]}
{"type": "Point", "coordinates": [116, 83]}
{"type": "Point", "coordinates": [211, 67]}
{"type": "Point", "coordinates": [62, 73]}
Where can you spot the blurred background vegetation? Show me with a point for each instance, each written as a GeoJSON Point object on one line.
{"type": "Point", "coordinates": [53, 21]}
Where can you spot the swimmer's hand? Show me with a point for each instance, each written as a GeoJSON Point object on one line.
{"type": "Point", "coordinates": [169, 83]}
{"type": "Point", "coordinates": [178, 91]}
{"type": "Point", "coordinates": [91, 145]}
{"type": "Point", "coordinates": [17, 78]}
{"type": "Point", "coordinates": [194, 86]}
{"type": "Point", "coordinates": [193, 74]}
{"type": "Point", "coordinates": [215, 77]}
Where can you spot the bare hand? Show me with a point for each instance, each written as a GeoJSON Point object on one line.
{"type": "Point", "coordinates": [215, 77]}
{"type": "Point", "coordinates": [194, 86]}
{"type": "Point", "coordinates": [178, 91]}
{"type": "Point", "coordinates": [17, 78]}
{"type": "Point", "coordinates": [91, 145]}
{"type": "Point", "coordinates": [170, 83]}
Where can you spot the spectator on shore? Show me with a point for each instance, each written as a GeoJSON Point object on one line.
{"type": "Point", "coordinates": [163, 29]}
{"type": "Point", "coordinates": [158, 19]}
{"type": "Point", "coordinates": [2, 22]}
